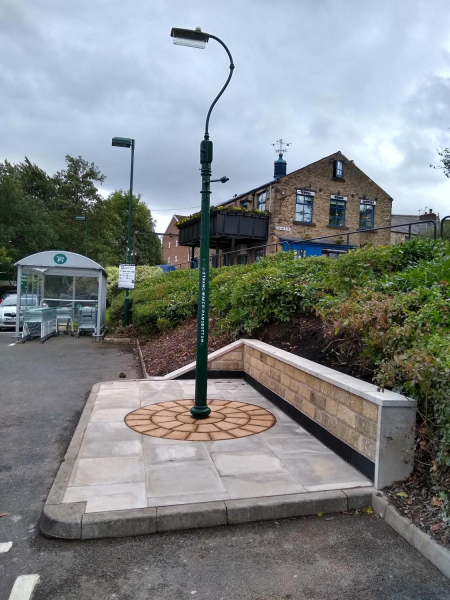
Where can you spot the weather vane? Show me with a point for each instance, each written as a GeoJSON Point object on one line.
{"type": "Point", "coordinates": [280, 144]}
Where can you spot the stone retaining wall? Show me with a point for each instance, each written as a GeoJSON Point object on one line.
{"type": "Point", "coordinates": [349, 417]}
{"type": "Point", "coordinates": [232, 360]}
{"type": "Point", "coordinates": [372, 429]}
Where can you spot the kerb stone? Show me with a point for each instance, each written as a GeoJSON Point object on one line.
{"type": "Point", "coordinates": [119, 523]}
{"type": "Point", "coordinates": [359, 497]}
{"type": "Point", "coordinates": [62, 520]}
{"type": "Point", "coordinates": [191, 516]}
{"type": "Point", "coordinates": [284, 507]}
{"type": "Point", "coordinates": [379, 503]}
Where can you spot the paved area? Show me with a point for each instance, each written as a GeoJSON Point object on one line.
{"type": "Point", "coordinates": [228, 420]}
{"type": "Point", "coordinates": [329, 558]}
{"type": "Point", "coordinates": [119, 468]}
{"type": "Point", "coordinates": [43, 390]}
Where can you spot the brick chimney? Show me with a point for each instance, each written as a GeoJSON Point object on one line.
{"type": "Point", "coordinates": [429, 216]}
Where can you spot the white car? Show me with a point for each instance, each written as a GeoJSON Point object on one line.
{"type": "Point", "coordinates": [8, 309]}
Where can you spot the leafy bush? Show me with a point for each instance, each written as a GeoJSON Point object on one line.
{"type": "Point", "coordinates": [400, 324]}
{"type": "Point", "coordinates": [387, 306]}
{"type": "Point", "coordinates": [143, 273]}
{"type": "Point", "coordinates": [273, 289]}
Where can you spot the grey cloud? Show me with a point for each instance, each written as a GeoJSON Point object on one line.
{"type": "Point", "coordinates": [326, 75]}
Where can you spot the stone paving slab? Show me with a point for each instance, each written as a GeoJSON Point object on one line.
{"type": "Point", "coordinates": [117, 470]}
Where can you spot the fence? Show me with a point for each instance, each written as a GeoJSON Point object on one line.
{"type": "Point", "coordinates": [447, 218]}
{"type": "Point", "coordinates": [247, 255]}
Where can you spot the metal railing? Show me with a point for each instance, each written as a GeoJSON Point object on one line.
{"type": "Point", "coordinates": [360, 231]}
{"type": "Point", "coordinates": [228, 258]}
{"type": "Point", "coordinates": [447, 218]}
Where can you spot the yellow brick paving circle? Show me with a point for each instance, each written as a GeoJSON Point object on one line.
{"type": "Point", "coordinates": [228, 420]}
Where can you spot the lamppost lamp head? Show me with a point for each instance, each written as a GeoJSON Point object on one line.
{"type": "Point", "coordinates": [194, 38]}
{"type": "Point", "coordinates": [122, 142]}
{"type": "Point", "coordinates": [80, 218]}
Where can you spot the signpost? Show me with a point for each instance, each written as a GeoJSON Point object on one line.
{"type": "Point", "coordinates": [127, 275]}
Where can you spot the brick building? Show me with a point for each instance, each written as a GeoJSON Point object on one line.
{"type": "Point", "coordinates": [329, 197]}
{"type": "Point", "coordinates": [173, 253]}
{"type": "Point", "coordinates": [406, 232]}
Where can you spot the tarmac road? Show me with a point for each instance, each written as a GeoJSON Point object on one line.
{"type": "Point", "coordinates": [43, 389]}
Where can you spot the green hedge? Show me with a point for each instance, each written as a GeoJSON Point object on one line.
{"type": "Point", "coordinates": [143, 274]}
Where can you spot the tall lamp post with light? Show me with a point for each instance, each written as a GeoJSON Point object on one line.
{"type": "Point", "coordinates": [85, 232]}
{"type": "Point", "coordinates": [127, 143]}
{"type": "Point", "coordinates": [196, 38]}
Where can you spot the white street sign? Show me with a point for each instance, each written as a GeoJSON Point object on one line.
{"type": "Point", "coordinates": [127, 276]}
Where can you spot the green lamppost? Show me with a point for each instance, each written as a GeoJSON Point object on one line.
{"type": "Point", "coordinates": [85, 231]}
{"type": "Point", "coordinates": [198, 39]}
{"type": "Point", "coordinates": [127, 143]}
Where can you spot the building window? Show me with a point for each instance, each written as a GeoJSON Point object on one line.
{"type": "Point", "coordinates": [168, 260]}
{"type": "Point", "coordinates": [242, 259]}
{"type": "Point", "coordinates": [259, 254]}
{"type": "Point", "coordinates": [228, 259]}
{"type": "Point", "coordinates": [244, 203]}
{"type": "Point", "coordinates": [338, 169]}
{"type": "Point", "coordinates": [304, 208]}
{"type": "Point", "coordinates": [367, 214]}
{"type": "Point", "coordinates": [176, 243]}
{"type": "Point", "coordinates": [169, 245]}
{"type": "Point", "coordinates": [337, 213]}
{"type": "Point", "coordinates": [176, 259]}
{"type": "Point", "coordinates": [261, 201]}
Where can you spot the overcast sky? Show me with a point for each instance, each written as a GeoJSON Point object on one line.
{"type": "Point", "coordinates": [371, 79]}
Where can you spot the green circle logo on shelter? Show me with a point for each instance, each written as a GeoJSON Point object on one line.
{"type": "Point", "coordinates": [60, 259]}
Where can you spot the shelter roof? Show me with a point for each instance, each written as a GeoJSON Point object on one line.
{"type": "Point", "coordinates": [59, 260]}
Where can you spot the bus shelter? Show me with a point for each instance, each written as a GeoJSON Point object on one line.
{"type": "Point", "coordinates": [73, 285]}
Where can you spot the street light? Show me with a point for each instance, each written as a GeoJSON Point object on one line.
{"type": "Point", "coordinates": [85, 231]}
{"type": "Point", "coordinates": [198, 39]}
{"type": "Point", "coordinates": [127, 143]}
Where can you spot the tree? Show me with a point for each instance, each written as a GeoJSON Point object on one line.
{"type": "Point", "coordinates": [76, 184]}
{"type": "Point", "coordinates": [445, 160]}
{"type": "Point", "coordinates": [76, 195]}
{"type": "Point", "coordinates": [38, 213]}
{"type": "Point", "coordinates": [6, 267]}
{"type": "Point", "coordinates": [149, 251]}
{"type": "Point", "coordinates": [26, 224]}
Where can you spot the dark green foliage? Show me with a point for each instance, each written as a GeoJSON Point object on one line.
{"type": "Point", "coordinates": [38, 213]}
{"type": "Point", "coordinates": [388, 306]}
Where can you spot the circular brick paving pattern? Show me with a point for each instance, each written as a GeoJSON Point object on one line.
{"type": "Point", "coordinates": [228, 420]}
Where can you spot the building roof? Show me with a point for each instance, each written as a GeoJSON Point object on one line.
{"type": "Point", "coordinates": [296, 171]}
{"type": "Point", "coordinates": [418, 228]}
{"type": "Point", "coordinates": [58, 259]}
{"type": "Point", "coordinates": [177, 218]}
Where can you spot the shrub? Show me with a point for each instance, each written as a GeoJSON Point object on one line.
{"type": "Point", "coordinates": [143, 274]}
{"type": "Point", "coordinates": [387, 306]}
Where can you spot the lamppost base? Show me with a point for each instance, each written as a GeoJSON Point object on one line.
{"type": "Point", "coordinates": [200, 412]}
